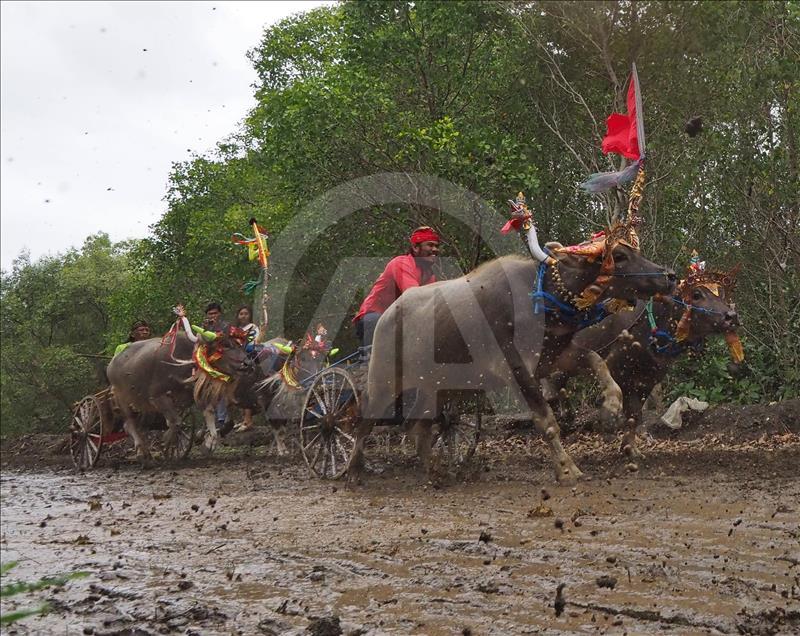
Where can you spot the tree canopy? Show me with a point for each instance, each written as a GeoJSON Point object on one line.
{"type": "Point", "coordinates": [494, 97]}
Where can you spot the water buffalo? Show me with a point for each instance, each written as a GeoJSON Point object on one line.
{"type": "Point", "coordinates": [145, 380]}
{"type": "Point", "coordinates": [481, 332]}
{"type": "Point", "coordinates": [278, 389]}
{"type": "Point", "coordinates": [152, 376]}
{"type": "Point", "coordinates": [640, 346]}
{"type": "Point", "coordinates": [219, 367]}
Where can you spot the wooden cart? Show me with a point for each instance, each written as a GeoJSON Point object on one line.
{"type": "Point", "coordinates": [332, 410]}
{"type": "Point", "coordinates": [98, 422]}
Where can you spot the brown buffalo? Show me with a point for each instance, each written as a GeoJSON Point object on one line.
{"type": "Point", "coordinates": [480, 332]}
{"type": "Point", "coordinates": [216, 379]}
{"type": "Point", "coordinates": [640, 346]}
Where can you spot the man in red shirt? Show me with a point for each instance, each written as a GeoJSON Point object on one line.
{"type": "Point", "coordinates": [413, 269]}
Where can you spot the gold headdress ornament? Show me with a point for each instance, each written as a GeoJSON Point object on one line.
{"type": "Point", "coordinates": [721, 284]}
{"type": "Point", "coordinates": [716, 282]}
{"type": "Point", "coordinates": [602, 244]}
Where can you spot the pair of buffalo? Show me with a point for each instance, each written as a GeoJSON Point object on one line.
{"type": "Point", "coordinates": [483, 332]}
{"type": "Point", "coordinates": [480, 332]}
{"type": "Point", "coordinates": [161, 376]}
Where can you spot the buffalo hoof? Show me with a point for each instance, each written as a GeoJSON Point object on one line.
{"type": "Point", "coordinates": [210, 444]}
{"type": "Point", "coordinates": [569, 475]}
{"type": "Point", "coordinates": [630, 451]}
{"type": "Point", "coordinates": [609, 420]}
{"type": "Point", "coordinates": [613, 404]}
{"type": "Point", "coordinates": [169, 438]}
{"type": "Point", "coordinates": [353, 477]}
{"type": "Point", "coordinates": [145, 459]}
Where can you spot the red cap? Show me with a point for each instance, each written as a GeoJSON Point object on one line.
{"type": "Point", "coordinates": [422, 234]}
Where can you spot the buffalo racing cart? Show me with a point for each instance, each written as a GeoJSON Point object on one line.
{"type": "Point", "coordinates": [97, 422]}
{"type": "Point", "coordinates": [331, 412]}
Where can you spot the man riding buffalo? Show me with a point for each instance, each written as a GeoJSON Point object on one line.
{"type": "Point", "coordinates": [413, 269]}
{"type": "Point", "coordinates": [482, 332]}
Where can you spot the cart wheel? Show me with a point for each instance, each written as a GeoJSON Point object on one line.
{"type": "Point", "coordinates": [179, 448]}
{"type": "Point", "coordinates": [85, 437]}
{"type": "Point", "coordinates": [328, 421]}
{"type": "Point", "coordinates": [459, 437]}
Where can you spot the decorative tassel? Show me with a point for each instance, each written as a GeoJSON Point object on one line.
{"type": "Point", "coordinates": [682, 332]}
{"type": "Point", "coordinates": [250, 286]}
{"type": "Point", "coordinates": [615, 305]}
{"type": "Point", "coordinates": [734, 346]}
{"type": "Point", "coordinates": [605, 181]}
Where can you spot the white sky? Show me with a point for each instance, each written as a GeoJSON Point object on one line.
{"type": "Point", "coordinates": [92, 122]}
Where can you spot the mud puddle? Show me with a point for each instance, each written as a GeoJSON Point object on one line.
{"type": "Point", "coordinates": [701, 539]}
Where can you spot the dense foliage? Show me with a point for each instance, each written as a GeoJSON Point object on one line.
{"type": "Point", "coordinates": [494, 97]}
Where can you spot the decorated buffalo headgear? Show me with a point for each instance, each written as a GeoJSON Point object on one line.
{"type": "Point", "coordinates": [316, 344]}
{"type": "Point", "coordinates": [625, 137]}
{"type": "Point", "coordinates": [601, 245]}
{"type": "Point", "coordinates": [721, 284]}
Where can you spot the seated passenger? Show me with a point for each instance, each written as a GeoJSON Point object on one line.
{"type": "Point", "coordinates": [244, 320]}
{"type": "Point", "coordinates": [140, 330]}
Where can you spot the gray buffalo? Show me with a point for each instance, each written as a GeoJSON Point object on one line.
{"type": "Point", "coordinates": [483, 332]}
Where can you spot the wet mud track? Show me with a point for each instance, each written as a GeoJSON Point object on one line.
{"type": "Point", "coordinates": [698, 540]}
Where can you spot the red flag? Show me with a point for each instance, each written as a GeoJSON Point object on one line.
{"type": "Point", "coordinates": [622, 136]}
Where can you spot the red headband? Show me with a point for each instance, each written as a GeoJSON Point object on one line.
{"type": "Point", "coordinates": [424, 234]}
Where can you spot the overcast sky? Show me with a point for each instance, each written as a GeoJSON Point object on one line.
{"type": "Point", "coordinates": [98, 100]}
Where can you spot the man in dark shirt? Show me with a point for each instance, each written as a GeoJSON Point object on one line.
{"type": "Point", "coordinates": [215, 322]}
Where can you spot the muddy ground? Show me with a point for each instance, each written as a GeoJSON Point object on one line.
{"type": "Point", "coordinates": [703, 538]}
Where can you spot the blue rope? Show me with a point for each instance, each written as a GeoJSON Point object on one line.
{"type": "Point", "coordinates": [581, 319]}
{"type": "Point", "coordinates": [672, 347]}
{"type": "Point", "coordinates": [310, 379]}
{"type": "Point", "coordinates": [702, 310]}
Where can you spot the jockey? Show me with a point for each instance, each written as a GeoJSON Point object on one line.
{"type": "Point", "coordinates": [413, 269]}
{"type": "Point", "coordinates": [214, 320]}
{"type": "Point", "coordinates": [140, 330]}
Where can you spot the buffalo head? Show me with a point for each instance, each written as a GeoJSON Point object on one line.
{"type": "Point", "coordinates": [707, 299]}
{"type": "Point", "coordinates": [634, 276]}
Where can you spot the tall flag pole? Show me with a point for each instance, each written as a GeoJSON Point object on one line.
{"type": "Point", "coordinates": [258, 249]}
{"type": "Point", "coordinates": [263, 260]}
{"type": "Point", "coordinates": [625, 137]}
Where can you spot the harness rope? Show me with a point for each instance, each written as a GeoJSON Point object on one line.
{"type": "Point", "coordinates": [672, 347]}
{"type": "Point", "coordinates": [568, 313]}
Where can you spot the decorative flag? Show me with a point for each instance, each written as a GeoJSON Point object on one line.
{"type": "Point", "coordinates": [622, 132]}
{"type": "Point", "coordinates": [625, 137]}
{"type": "Point", "coordinates": [252, 245]}
{"type": "Point", "coordinates": [520, 215]}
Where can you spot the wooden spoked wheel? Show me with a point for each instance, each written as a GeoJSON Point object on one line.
{"type": "Point", "coordinates": [331, 411]}
{"type": "Point", "coordinates": [86, 433]}
{"type": "Point", "coordinates": [178, 448]}
{"type": "Point", "coordinates": [458, 435]}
